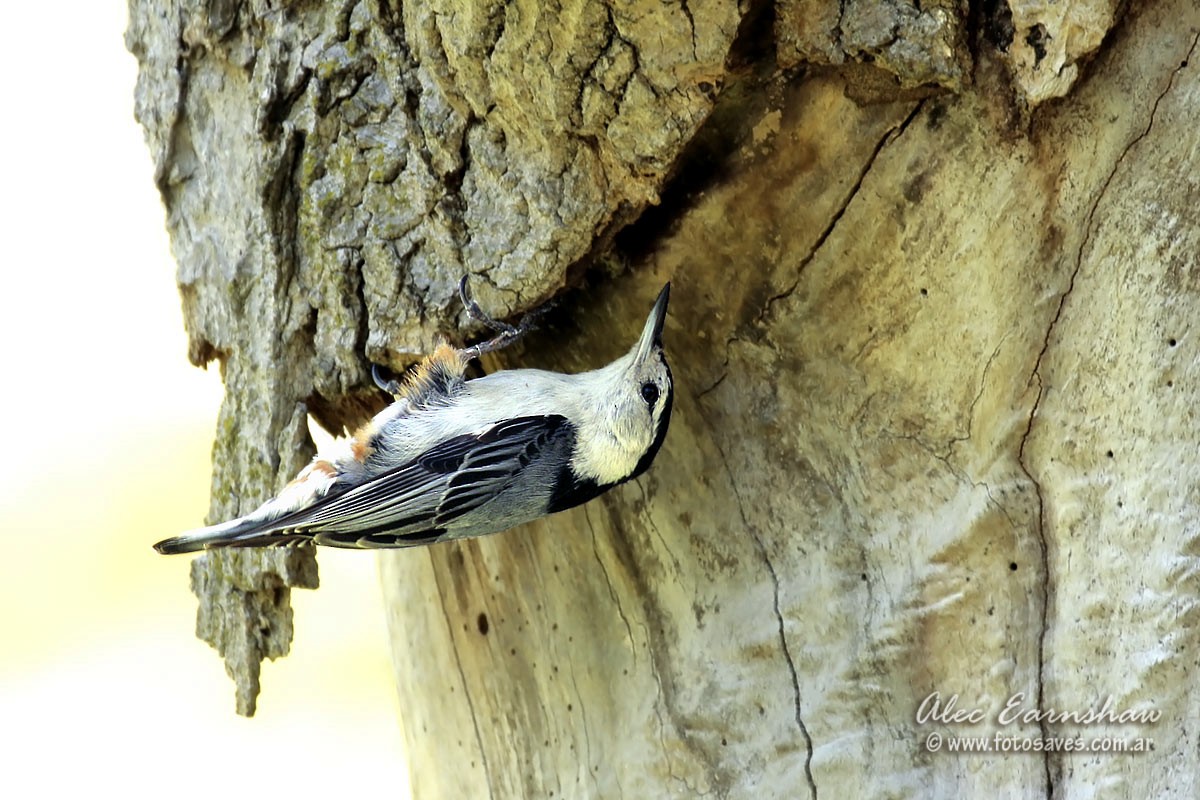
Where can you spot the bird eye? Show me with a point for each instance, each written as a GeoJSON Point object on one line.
{"type": "Point", "coordinates": [650, 394]}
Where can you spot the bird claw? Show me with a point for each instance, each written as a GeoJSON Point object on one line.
{"type": "Point", "coordinates": [478, 314]}
{"type": "Point", "coordinates": [391, 385]}
{"type": "Point", "coordinates": [506, 334]}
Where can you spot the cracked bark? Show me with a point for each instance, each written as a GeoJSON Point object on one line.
{"type": "Point", "coordinates": [931, 354]}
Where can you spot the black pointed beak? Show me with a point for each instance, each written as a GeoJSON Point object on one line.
{"type": "Point", "coordinates": [652, 331]}
{"type": "Point", "coordinates": [659, 312]}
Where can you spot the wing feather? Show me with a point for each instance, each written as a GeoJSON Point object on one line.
{"type": "Point", "coordinates": [412, 504]}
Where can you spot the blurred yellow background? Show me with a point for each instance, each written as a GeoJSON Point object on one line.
{"type": "Point", "coordinates": [107, 448]}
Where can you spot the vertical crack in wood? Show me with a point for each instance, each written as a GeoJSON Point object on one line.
{"type": "Point", "coordinates": [1035, 375]}
{"type": "Point", "coordinates": [783, 640]}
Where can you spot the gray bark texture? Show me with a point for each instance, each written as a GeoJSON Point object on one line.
{"type": "Point", "coordinates": [932, 328]}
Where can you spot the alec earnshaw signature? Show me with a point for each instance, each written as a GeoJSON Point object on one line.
{"type": "Point", "coordinates": [1016, 710]}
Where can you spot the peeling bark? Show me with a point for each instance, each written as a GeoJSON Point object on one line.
{"type": "Point", "coordinates": [933, 355]}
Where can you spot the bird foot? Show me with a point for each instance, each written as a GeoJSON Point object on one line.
{"type": "Point", "coordinates": [505, 334]}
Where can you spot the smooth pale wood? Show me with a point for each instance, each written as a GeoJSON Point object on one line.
{"type": "Point", "coordinates": [905, 338]}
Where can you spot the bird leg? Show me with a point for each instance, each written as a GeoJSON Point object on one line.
{"type": "Point", "coordinates": [505, 334]}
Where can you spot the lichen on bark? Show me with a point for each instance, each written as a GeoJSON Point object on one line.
{"type": "Point", "coordinates": [918, 44]}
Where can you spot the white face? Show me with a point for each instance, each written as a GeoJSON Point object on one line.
{"type": "Point", "coordinates": [648, 391]}
{"type": "Point", "coordinates": [633, 404]}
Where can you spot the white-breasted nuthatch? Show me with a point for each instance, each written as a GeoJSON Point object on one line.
{"type": "Point", "coordinates": [452, 457]}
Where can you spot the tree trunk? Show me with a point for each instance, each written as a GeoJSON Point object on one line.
{"type": "Point", "coordinates": [934, 292]}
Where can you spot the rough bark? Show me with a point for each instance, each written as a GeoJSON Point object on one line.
{"type": "Point", "coordinates": [330, 171]}
{"type": "Point", "coordinates": [934, 357]}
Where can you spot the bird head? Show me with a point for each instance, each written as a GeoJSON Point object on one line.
{"type": "Point", "coordinates": [633, 397]}
{"type": "Point", "coordinates": [651, 380]}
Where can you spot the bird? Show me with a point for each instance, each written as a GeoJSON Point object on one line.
{"type": "Point", "coordinates": [453, 457]}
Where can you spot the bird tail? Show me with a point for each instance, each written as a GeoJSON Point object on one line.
{"type": "Point", "coordinates": [271, 525]}
{"type": "Point", "coordinates": [241, 532]}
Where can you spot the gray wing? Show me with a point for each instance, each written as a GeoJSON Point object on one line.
{"type": "Point", "coordinates": [414, 503]}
